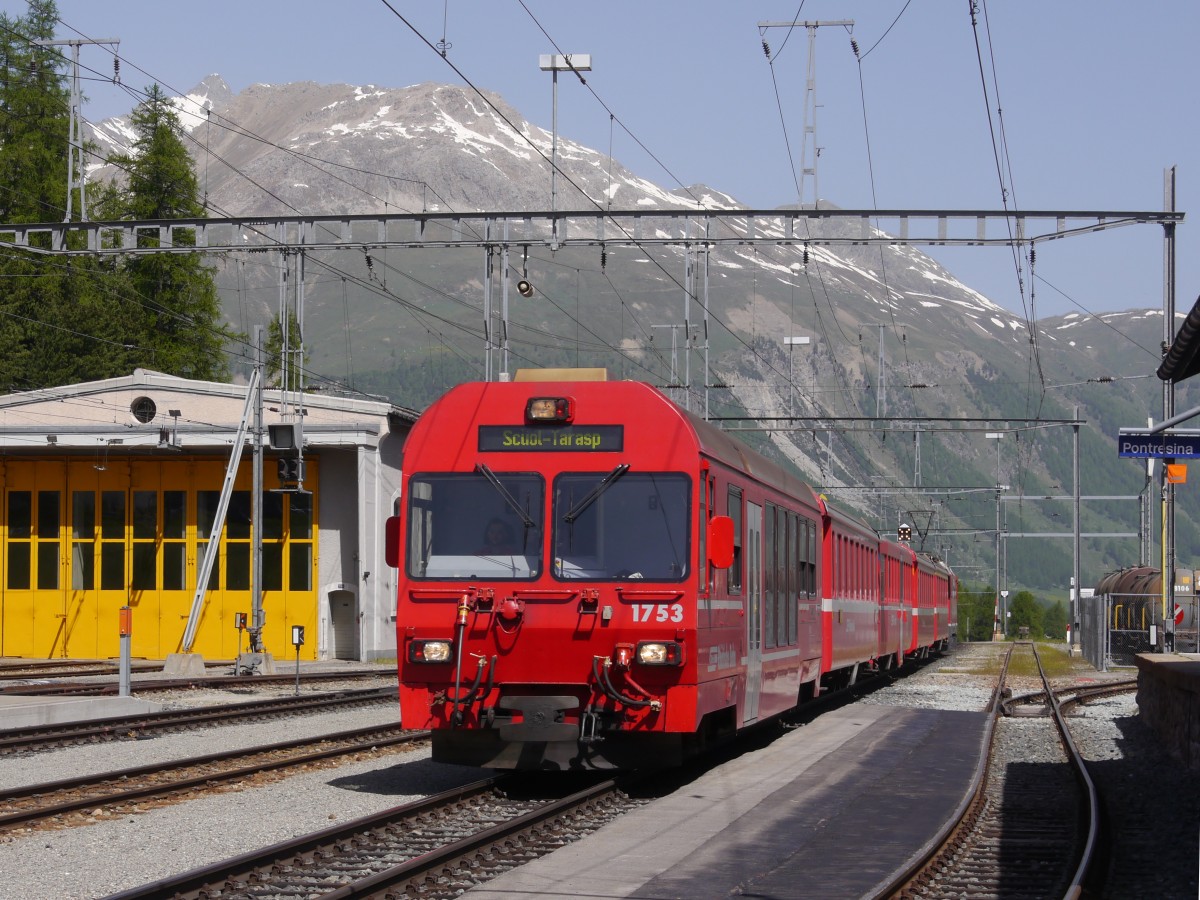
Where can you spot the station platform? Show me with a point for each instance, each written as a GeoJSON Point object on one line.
{"type": "Point", "coordinates": [1168, 698]}
{"type": "Point", "coordinates": [27, 712]}
{"type": "Point", "coordinates": [775, 823]}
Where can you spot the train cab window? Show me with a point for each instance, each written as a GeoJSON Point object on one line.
{"type": "Point", "coordinates": [734, 573]}
{"type": "Point", "coordinates": [454, 520]}
{"type": "Point", "coordinates": [621, 525]}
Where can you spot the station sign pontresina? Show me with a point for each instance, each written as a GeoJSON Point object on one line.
{"type": "Point", "coordinates": [1139, 443]}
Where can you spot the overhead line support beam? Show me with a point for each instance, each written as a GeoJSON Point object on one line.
{"type": "Point", "coordinates": [587, 228]}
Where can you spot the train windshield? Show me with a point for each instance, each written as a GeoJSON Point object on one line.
{"type": "Point", "coordinates": [621, 525]}
{"type": "Point", "coordinates": [483, 524]}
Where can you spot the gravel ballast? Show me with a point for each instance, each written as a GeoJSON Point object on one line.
{"type": "Point", "coordinates": [1156, 849]}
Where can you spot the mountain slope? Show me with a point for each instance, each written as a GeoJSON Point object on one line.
{"type": "Point", "coordinates": [409, 324]}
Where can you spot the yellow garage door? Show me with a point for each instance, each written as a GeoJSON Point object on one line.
{"type": "Point", "coordinates": [81, 539]}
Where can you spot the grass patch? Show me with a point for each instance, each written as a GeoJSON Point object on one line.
{"type": "Point", "coordinates": [1055, 661]}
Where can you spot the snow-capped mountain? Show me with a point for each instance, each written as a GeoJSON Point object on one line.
{"type": "Point", "coordinates": [948, 350]}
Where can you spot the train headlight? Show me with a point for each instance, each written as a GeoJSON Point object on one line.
{"type": "Point", "coordinates": [433, 651]}
{"type": "Point", "coordinates": [660, 653]}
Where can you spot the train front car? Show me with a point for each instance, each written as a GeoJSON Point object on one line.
{"type": "Point", "coordinates": [548, 551]}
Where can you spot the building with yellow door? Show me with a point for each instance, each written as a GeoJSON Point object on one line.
{"type": "Point", "coordinates": [110, 491]}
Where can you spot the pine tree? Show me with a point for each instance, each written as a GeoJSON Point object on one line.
{"type": "Point", "coordinates": [34, 125]}
{"type": "Point", "coordinates": [34, 119]}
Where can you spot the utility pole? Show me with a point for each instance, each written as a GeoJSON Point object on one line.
{"type": "Point", "coordinates": [675, 382]}
{"type": "Point", "coordinates": [76, 172]}
{"type": "Point", "coordinates": [881, 388]}
{"type": "Point", "coordinates": [810, 100]}
{"type": "Point", "coordinates": [1168, 488]}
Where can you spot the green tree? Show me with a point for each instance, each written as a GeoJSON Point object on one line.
{"type": "Point", "coordinates": [1054, 620]}
{"type": "Point", "coordinates": [181, 331]}
{"type": "Point", "coordinates": [55, 324]}
{"type": "Point", "coordinates": [976, 613]}
{"type": "Point", "coordinates": [34, 118]}
{"type": "Point", "coordinates": [1025, 612]}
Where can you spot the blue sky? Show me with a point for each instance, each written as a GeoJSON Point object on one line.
{"type": "Point", "coordinates": [1097, 98]}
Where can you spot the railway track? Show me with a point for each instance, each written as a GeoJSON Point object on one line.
{"type": "Point", "coordinates": [436, 847]}
{"type": "Point", "coordinates": [1032, 826]}
{"type": "Point", "coordinates": [107, 794]}
{"type": "Point", "coordinates": [51, 685]}
{"type": "Point", "coordinates": [47, 737]}
{"type": "Point", "coordinates": [65, 668]}
{"type": "Point", "coordinates": [1068, 698]}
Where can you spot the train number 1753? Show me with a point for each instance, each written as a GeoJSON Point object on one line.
{"type": "Point", "coordinates": [658, 612]}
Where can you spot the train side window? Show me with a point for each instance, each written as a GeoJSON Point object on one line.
{"type": "Point", "coordinates": [813, 587]}
{"type": "Point", "coordinates": [706, 513]}
{"type": "Point", "coordinates": [794, 577]}
{"type": "Point", "coordinates": [839, 568]}
{"type": "Point", "coordinates": [734, 574]}
{"type": "Point", "coordinates": [770, 571]}
{"type": "Point", "coordinates": [802, 556]}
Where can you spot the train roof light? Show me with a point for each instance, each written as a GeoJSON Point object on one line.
{"type": "Point", "coordinates": [549, 409]}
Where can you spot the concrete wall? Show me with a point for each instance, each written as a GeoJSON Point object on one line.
{"type": "Point", "coordinates": [1168, 699]}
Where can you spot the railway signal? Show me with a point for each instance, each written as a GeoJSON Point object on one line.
{"type": "Point", "coordinates": [290, 470]}
{"type": "Point", "coordinates": [298, 642]}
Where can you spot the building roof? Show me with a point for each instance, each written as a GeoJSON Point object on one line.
{"type": "Point", "coordinates": [138, 410]}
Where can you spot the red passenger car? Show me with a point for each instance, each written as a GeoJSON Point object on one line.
{"type": "Point", "coordinates": [592, 577]}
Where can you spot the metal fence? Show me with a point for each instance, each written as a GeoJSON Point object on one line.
{"type": "Point", "coordinates": [1115, 628]}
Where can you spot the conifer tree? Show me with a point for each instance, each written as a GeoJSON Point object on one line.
{"type": "Point", "coordinates": [34, 125]}
{"type": "Point", "coordinates": [71, 319]}
{"type": "Point", "coordinates": [34, 118]}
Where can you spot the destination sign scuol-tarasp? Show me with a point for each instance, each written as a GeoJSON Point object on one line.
{"type": "Point", "coordinates": [559, 439]}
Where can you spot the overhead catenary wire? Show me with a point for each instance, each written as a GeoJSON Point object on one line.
{"type": "Point", "coordinates": [274, 197]}
{"type": "Point", "coordinates": [521, 134]}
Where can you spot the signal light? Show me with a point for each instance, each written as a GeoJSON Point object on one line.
{"type": "Point", "coordinates": [904, 532]}
{"type": "Point", "coordinates": [549, 409]}
{"type": "Point", "coordinates": [290, 469]}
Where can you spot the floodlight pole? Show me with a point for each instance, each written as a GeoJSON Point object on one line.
{"type": "Point", "coordinates": [791, 341]}
{"type": "Point", "coordinates": [555, 63]}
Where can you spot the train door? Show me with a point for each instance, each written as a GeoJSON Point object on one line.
{"type": "Point", "coordinates": [754, 598]}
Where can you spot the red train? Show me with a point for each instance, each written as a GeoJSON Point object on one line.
{"type": "Point", "coordinates": [592, 577]}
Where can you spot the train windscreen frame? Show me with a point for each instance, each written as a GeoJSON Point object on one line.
{"type": "Point", "coordinates": [454, 518]}
{"type": "Point", "coordinates": [621, 525]}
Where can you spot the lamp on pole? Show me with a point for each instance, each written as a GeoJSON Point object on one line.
{"type": "Point", "coordinates": [791, 342]}
{"type": "Point", "coordinates": [555, 63]}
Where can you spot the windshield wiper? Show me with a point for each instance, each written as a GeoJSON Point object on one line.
{"type": "Point", "coordinates": [508, 498]}
{"type": "Point", "coordinates": [603, 485]}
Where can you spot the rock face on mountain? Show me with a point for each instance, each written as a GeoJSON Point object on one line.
{"type": "Point", "coordinates": [393, 321]}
